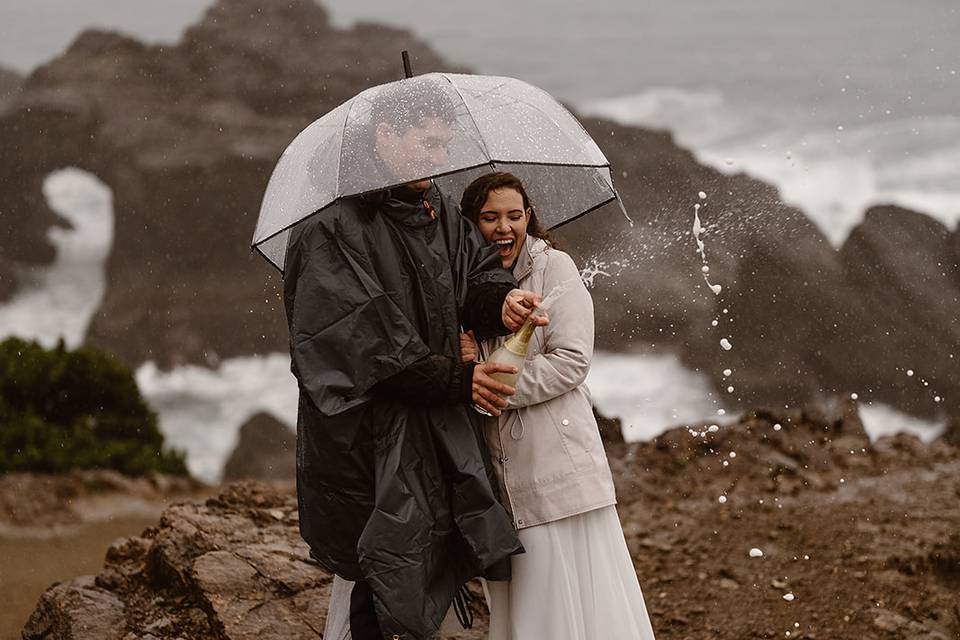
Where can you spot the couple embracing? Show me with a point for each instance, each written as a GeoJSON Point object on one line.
{"type": "Point", "coordinates": [406, 492]}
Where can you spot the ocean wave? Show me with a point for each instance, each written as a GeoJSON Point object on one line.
{"type": "Point", "coordinates": [61, 298]}
{"type": "Point", "coordinates": [201, 410]}
{"type": "Point", "coordinates": [880, 420]}
{"type": "Point", "coordinates": [651, 393]}
{"type": "Point", "coordinates": [833, 173]}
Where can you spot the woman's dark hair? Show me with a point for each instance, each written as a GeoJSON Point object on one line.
{"type": "Point", "coordinates": [475, 195]}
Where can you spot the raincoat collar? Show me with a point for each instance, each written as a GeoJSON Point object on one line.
{"type": "Point", "coordinates": [411, 209]}
{"type": "Point", "coordinates": [524, 264]}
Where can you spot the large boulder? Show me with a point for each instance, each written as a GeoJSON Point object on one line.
{"type": "Point", "coordinates": [10, 83]}
{"type": "Point", "coordinates": [234, 567]}
{"type": "Point", "coordinates": [266, 450]}
{"type": "Point", "coordinates": [77, 609]}
{"type": "Point", "coordinates": [906, 270]}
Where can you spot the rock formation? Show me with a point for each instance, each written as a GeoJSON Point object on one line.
{"type": "Point", "coordinates": [10, 83]}
{"type": "Point", "coordinates": [908, 276]}
{"type": "Point", "coordinates": [266, 450]}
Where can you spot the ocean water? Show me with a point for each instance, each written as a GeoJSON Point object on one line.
{"type": "Point", "coordinates": [61, 300]}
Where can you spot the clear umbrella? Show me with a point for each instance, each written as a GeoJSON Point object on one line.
{"type": "Point", "coordinates": [452, 127]}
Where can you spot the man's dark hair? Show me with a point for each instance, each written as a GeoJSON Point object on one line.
{"type": "Point", "coordinates": [402, 106]}
{"type": "Point", "coordinates": [475, 195]}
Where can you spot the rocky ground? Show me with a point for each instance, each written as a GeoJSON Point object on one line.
{"type": "Point", "coordinates": [858, 541]}
{"type": "Point", "coordinates": [56, 527]}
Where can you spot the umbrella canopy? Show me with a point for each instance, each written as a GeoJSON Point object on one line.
{"type": "Point", "coordinates": [439, 125]}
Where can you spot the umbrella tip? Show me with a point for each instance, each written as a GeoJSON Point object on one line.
{"type": "Point", "coordinates": [407, 71]}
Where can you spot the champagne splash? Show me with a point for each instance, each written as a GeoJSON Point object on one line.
{"type": "Point", "coordinates": [555, 293]}
{"type": "Point", "coordinates": [697, 230]}
{"type": "Point", "coordinates": [593, 269]}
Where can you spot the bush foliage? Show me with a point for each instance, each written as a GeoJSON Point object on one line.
{"type": "Point", "coordinates": [62, 410]}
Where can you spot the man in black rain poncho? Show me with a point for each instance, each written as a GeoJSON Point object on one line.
{"type": "Point", "coordinates": [394, 481]}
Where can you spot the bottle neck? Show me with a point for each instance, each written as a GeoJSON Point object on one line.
{"type": "Point", "coordinates": [519, 341]}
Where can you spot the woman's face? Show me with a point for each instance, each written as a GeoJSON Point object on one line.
{"type": "Point", "coordinates": [503, 221]}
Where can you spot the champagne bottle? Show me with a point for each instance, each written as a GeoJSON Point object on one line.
{"type": "Point", "coordinates": [513, 352]}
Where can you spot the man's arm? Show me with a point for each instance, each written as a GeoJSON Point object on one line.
{"type": "Point", "coordinates": [438, 380]}
{"type": "Point", "coordinates": [432, 381]}
{"type": "Point", "coordinates": [483, 309]}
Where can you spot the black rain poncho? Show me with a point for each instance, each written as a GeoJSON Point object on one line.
{"type": "Point", "coordinates": [390, 491]}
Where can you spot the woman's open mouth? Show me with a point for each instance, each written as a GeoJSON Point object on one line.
{"type": "Point", "coordinates": [505, 245]}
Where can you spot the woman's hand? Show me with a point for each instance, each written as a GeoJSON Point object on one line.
{"type": "Point", "coordinates": [518, 305]}
{"type": "Point", "coordinates": [487, 392]}
{"type": "Point", "coordinates": [468, 347]}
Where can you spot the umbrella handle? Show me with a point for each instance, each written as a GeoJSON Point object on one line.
{"type": "Point", "coordinates": [407, 71]}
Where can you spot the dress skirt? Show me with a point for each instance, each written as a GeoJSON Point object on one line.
{"type": "Point", "coordinates": [575, 582]}
{"type": "Point", "coordinates": [338, 613]}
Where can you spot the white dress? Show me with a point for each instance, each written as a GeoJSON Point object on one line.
{"type": "Point", "coordinates": [338, 613]}
{"type": "Point", "coordinates": [575, 582]}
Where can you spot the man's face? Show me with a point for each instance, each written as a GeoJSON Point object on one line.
{"type": "Point", "coordinates": [419, 150]}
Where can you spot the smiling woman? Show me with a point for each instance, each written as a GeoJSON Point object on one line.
{"type": "Point", "coordinates": [500, 207]}
{"type": "Point", "coordinates": [575, 580]}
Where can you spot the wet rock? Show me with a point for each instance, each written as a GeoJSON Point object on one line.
{"type": "Point", "coordinates": [611, 429]}
{"type": "Point", "coordinates": [907, 271]}
{"type": "Point", "coordinates": [78, 610]}
{"type": "Point", "coordinates": [904, 628]}
{"type": "Point", "coordinates": [266, 450]}
{"type": "Point", "coordinates": [10, 84]}
{"type": "Point", "coordinates": [221, 569]}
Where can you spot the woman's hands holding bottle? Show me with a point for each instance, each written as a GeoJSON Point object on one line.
{"type": "Point", "coordinates": [518, 305]}
{"type": "Point", "coordinates": [489, 394]}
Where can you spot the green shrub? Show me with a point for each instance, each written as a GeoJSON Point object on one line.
{"type": "Point", "coordinates": [62, 410]}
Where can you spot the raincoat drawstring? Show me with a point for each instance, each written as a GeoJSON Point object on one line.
{"type": "Point", "coordinates": [461, 606]}
{"type": "Point", "coordinates": [517, 434]}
